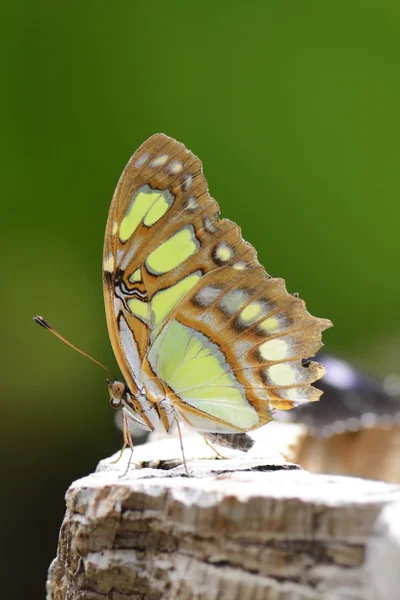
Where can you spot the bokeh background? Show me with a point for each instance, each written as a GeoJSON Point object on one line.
{"type": "Point", "coordinates": [293, 108]}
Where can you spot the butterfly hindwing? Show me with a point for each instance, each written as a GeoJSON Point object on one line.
{"type": "Point", "coordinates": [193, 317]}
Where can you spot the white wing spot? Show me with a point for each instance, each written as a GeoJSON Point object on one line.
{"type": "Point", "coordinates": [175, 167]}
{"type": "Point", "coordinates": [274, 349]}
{"type": "Point", "coordinates": [252, 312]}
{"type": "Point", "coordinates": [159, 161]}
{"type": "Point", "coordinates": [207, 295]}
{"type": "Point", "coordinates": [223, 252]}
{"type": "Point", "coordinates": [142, 159]}
{"type": "Point", "coordinates": [240, 266]}
{"type": "Point", "coordinates": [233, 301]}
{"type": "Point", "coordinates": [209, 224]}
{"type": "Point", "coordinates": [300, 394]}
{"type": "Point", "coordinates": [191, 203]}
{"type": "Point", "coordinates": [292, 394]}
{"type": "Point", "coordinates": [114, 228]}
{"type": "Point", "coordinates": [271, 325]}
{"type": "Point", "coordinates": [281, 374]}
{"type": "Point", "coordinates": [109, 263]}
{"type": "Point", "coordinates": [187, 182]}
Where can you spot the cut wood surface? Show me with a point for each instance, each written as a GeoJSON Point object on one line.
{"type": "Point", "coordinates": [252, 526]}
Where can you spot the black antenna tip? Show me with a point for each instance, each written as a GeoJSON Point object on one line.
{"type": "Point", "coordinates": [42, 322]}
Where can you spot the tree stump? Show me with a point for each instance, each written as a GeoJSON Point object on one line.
{"type": "Point", "coordinates": [252, 526]}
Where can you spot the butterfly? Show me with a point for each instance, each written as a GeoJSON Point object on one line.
{"type": "Point", "coordinates": [202, 334]}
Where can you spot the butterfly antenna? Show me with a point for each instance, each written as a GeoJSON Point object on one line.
{"type": "Point", "coordinates": [47, 326]}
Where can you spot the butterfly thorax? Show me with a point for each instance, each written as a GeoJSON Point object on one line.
{"type": "Point", "coordinates": [146, 414]}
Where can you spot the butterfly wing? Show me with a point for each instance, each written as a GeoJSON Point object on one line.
{"type": "Point", "coordinates": [193, 317]}
{"type": "Point", "coordinates": [157, 208]}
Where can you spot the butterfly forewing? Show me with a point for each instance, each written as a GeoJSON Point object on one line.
{"type": "Point", "coordinates": [193, 317]}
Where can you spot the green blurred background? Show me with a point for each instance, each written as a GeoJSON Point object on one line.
{"type": "Point", "coordinates": [293, 108]}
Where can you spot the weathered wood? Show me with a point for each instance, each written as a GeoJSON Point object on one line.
{"type": "Point", "coordinates": [369, 452]}
{"type": "Point", "coordinates": [245, 527]}
{"type": "Point", "coordinates": [383, 556]}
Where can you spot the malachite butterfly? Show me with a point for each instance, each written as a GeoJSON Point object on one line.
{"type": "Point", "coordinates": [202, 334]}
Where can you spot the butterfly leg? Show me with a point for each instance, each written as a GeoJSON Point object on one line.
{"type": "Point", "coordinates": [127, 442]}
{"type": "Point", "coordinates": [181, 443]}
{"type": "Point", "coordinates": [214, 449]}
{"type": "Point", "coordinates": [130, 444]}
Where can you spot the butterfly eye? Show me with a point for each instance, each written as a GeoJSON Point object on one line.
{"type": "Point", "coordinates": [117, 392]}
{"type": "Point", "coordinates": [115, 402]}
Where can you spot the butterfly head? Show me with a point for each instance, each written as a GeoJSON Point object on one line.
{"type": "Point", "coordinates": [117, 391]}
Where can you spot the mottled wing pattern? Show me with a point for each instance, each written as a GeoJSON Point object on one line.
{"type": "Point", "coordinates": [193, 317]}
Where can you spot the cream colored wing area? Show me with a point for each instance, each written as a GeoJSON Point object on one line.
{"type": "Point", "coordinates": [198, 373]}
{"type": "Point", "coordinates": [164, 301]}
{"type": "Point", "coordinates": [203, 422]}
{"type": "Point", "coordinates": [264, 332]}
{"type": "Point", "coordinates": [146, 205]}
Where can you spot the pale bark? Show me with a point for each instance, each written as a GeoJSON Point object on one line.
{"type": "Point", "coordinates": [383, 556]}
{"type": "Point", "coordinates": [252, 526]}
